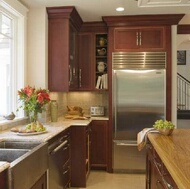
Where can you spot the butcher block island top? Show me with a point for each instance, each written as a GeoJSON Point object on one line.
{"type": "Point", "coordinates": [174, 151]}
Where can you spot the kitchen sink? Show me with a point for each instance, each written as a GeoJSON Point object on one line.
{"type": "Point", "coordinates": [10, 155]}
{"type": "Point", "coordinates": [28, 162]}
{"type": "Point", "coordinates": [18, 145]}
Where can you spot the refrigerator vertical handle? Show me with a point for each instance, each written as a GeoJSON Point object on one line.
{"type": "Point", "coordinates": [115, 102]}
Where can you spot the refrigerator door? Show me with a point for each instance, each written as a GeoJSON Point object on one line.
{"type": "Point", "coordinates": [138, 101]}
{"type": "Point", "coordinates": [127, 158]}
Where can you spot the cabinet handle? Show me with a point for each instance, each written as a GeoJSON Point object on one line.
{"type": "Point", "coordinates": [70, 75]}
{"type": "Point", "coordinates": [80, 78]}
{"type": "Point", "coordinates": [157, 164]}
{"type": "Point", "coordinates": [65, 148]}
{"type": "Point", "coordinates": [66, 171]}
{"type": "Point", "coordinates": [169, 186]}
{"type": "Point", "coordinates": [140, 37]}
{"type": "Point", "coordinates": [137, 38]}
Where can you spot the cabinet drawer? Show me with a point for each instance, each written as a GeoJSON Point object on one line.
{"type": "Point", "coordinates": [158, 162]}
{"type": "Point", "coordinates": [66, 175]}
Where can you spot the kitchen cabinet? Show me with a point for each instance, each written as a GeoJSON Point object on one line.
{"type": "Point", "coordinates": [41, 183]}
{"type": "Point", "coordinates": [99, 144]}
{"type": "Point", "coordinates": [4, 179]}
{"type": "Point", "coordinates": [80, 155]}
{"type": "Point", "coordinates": [139, 38]}
{"type": "Point", "coordinates": [92, 61]}
{"type": "Point", "coordinates": [86, 43]}
{"type": "Point", "coordinates": [90, 55]}
{"type": "Point", "coordinates": [156, 173]}
{"type": "Point", "coordinates": [63, 26]}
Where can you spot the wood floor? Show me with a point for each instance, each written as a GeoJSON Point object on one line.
{"type": "Point", "coordinates": [104, 180]}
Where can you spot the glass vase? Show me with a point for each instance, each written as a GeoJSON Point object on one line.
{"type": "Point", "coordinates": [33, 116]}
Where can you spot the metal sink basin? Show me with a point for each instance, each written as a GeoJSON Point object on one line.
{"type": "Point", "coordinates": [10, 155]}
{"type": "Point", "coordinates": [28, 162]}
{"type": "Point", "coordinates": [18, 145]}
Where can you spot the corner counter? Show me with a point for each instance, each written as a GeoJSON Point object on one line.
{"type": "Point", "coordinates": [174, 151]}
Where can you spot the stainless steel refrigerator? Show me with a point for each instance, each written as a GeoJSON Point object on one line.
{"type": "Point", "coordinates": [138, 101]}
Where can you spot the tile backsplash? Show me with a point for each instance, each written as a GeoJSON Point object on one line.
{"type": "Point", "coordinates": [83, 99]}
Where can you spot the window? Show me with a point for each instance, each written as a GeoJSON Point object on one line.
{"type": "Point", "coordinates": [6, 63]}
{"type": "Point", "coordinates": [12, 54]}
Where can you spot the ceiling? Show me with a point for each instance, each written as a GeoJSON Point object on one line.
{"type": "Point", "coordinates": [93, 10]}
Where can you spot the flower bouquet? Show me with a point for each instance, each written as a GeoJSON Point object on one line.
{"type": "Point", "coordinates": [33, 100]}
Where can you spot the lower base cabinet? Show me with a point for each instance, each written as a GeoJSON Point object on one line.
{"type": "Point", "coordinates": [99, 143]}
{"type": "Point", "coordinates": [80, 155]}
{"type": "Point", "coordinates": [157, 175]}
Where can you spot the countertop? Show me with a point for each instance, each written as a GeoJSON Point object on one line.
{"type": "Point", "coordinates": [53, 128]}
{"type": "Point", "coordinates": [174, 151]}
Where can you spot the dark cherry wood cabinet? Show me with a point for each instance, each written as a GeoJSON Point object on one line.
{"type": "Point", "coordinates": [86, 61]}
{"type": "Point", "coordinates": [4, 179]}
{"type": "Point", "coordinates": [41, 183]}
{"type": "Point", "coordinates": [99, 144]}
{"type": "Point", "coordinates": [139, 38]}
{"type": "Point", "coordinates": [80, 155]}
{"type": "Point", "coordinates": [63, 26]}
{"type": "Point", "coordinates": [157, 175]}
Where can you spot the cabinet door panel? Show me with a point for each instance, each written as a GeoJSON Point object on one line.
{"type": "Point", "coordinates": [85, 61]}
{"type": "Point", "coordinates": [58, 55]}
{"type": "Point", "coordinates": [99, 144]}
{"type": "Point", "coordinates": [151, 38]}
{"type": "Point", "coordinates": [125, 39]}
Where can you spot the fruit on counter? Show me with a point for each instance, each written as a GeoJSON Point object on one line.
{"type": "Point", "coordinates": [30, 128]}
{"type": "Point", "coordinates": [161, 124]}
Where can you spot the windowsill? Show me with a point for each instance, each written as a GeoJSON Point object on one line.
{"type": "Point", "coordinates": [5, 124]}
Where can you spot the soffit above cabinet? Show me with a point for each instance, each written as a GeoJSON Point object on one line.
{"type": "Point", "coordinates": [143, 20]}
{"type": "Point", "coordinates": [163, 3]}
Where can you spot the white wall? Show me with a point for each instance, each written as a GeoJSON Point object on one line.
{"type": "Point", "coordinates": [37, 48]}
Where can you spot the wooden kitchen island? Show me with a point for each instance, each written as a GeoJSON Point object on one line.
{"type": "Point", "coordinates": [168, 160]}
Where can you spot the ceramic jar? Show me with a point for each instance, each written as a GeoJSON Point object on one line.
{"type": "Point", "coordinates": [101, 66]}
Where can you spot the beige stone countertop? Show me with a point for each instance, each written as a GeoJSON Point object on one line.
{"type": "Point", "coordinates": [3, 165]}
{"type": "Point", "coordinates": [174, 151]}
{"type": "Point", "coordinates": [53, 128]}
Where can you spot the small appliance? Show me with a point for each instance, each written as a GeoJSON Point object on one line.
{"type": "Point", "coordinates": [97, 111]}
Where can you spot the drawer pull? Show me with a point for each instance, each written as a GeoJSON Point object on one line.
{"type": "Point", "coordinates": [169, 186]}
{"type": "Point", "coordinates": [157, 164]}
{"type": "Point", "coordinates": [65, 148]}
{"type": "Point", "coordinates": [65, 172]}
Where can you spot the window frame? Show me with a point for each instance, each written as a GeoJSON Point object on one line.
{"type": "Point", "coordinates": [18, 12]}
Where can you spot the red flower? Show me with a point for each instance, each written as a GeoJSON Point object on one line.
{"type": "Point", "coordinates": [40, 98]}
{"type": "Point", "coordinates": [28, 90]}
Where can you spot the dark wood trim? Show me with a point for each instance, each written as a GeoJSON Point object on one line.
{"type": "Point", "coordinates": [96, 27]}
{"type": "Point", "coordinates": [183, 29]}
{"type": "Point", "coordinates": [68, 12]}
{"type": "Point", "coordinates": [168, 74]}
{"type": "Point", "coordinates": [143, 20]}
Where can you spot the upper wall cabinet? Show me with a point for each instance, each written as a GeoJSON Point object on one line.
{"type": "Point", "coordinates": [63, 26]}
{"type": "Point", "coordinates": [92, 54]}
{"type": "Point", "coordinates": [139, 33]}
{"type": "Point", "coordinates": [138, 39]}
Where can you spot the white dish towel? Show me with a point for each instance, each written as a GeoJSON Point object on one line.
{"type": "Point", "coordinates": [142, 137]}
